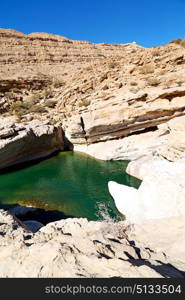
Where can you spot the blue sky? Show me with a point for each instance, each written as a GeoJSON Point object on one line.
{"type": "Point", "coordinates": [148, 22]}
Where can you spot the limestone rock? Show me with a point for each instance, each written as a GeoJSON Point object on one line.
{"type": "Point", "coordinates": [111, 122]}
{"type": "Point", "coordinates": [6, 133]}
{"type": "Point", "coordinates": [35, 140]}
{"type": "Point", "coordinates": [160, 195]}
{"type": "Point", "coordinates": [166, 235]}
{"type": "Point", "coordinates": [165, 141]}
{"type": "Point", "coordinates": [78, 248]}
{"type": "Point", "coordinates": [144, 90]}
{"type": "Point", "coordinates": [126, 200]}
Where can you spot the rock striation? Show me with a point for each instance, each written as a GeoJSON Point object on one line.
{"type": "Point", "coordinates": [106, 96]}
{"type": "Point", "coordinates": [47, 53]}
{"type": "Point", "coordinates": [78, 248]}
{"type": "Point", "coordinates": [122, 116]}
{"type": "Point", "coordinates": [166, 141]}
{"type": "Point", "coordinates": [25, 142]}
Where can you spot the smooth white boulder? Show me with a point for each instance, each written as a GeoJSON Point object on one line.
{"type": "Point", "coordinates": [160, 195]}
{"type": "Point", "coordinates": [126, 200]}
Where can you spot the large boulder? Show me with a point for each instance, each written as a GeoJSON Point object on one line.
{"type": "Point", "coordinates": [30, 141]}
{"type": "Point", "coordinates": [160, 195]}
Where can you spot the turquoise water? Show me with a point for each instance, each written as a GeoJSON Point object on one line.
{"type": "Point", "coordinates": [72, 183]}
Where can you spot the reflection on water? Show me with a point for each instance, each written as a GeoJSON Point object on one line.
{"type": "Point", "coordinates": [72, 183]}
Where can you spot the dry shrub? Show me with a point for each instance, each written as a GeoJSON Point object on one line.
{"type": "Point", "coordinates": [153, 81]}
{"type": "Point", "coordinates": [180, 42]}
{"type": "Point", "coordinates": [155, 51]}
{"type": "Point", "coordinates": [58, 83]}
{"type": "Point", "coordinates": [47, 93]}
{"type": "Point", "coordinates": [38, 109]}
{"type": "Point", "coordinates": [9, 95]}
{"type": "Point", "coordinates": [133, 83]}
{"type": "Point", "coordinates": [147, 69]}
{"type": "Point", "coordinates": [84, 102]}
{"type": "Point", "coordinates": [33, 99]}
{"type": "Point", "coordinates": [50, 103]}
{"type": "Point", "coordinates": [19, 108]}
{"type": "Point", "coordinates": [162, 71]}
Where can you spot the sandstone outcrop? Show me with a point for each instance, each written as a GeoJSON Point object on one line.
{"type": "Point", "coordinates": [167, 141]}
{"type": "Point", "coordinates": [99, 91]}
{"type": "Point", "coordinates": [48, 54]}
{"type": "Point", "coordinates": [25, 142]}
{"type": "Point", "coordinates": [122, 117]}
{"type": "Point", "coordinates": [124, 101]}
{"type": "Point", "coordinates": [78, 248]}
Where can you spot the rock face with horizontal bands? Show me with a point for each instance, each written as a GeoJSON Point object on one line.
{"type": "Point", "coordinates": [78, 248]}
{"type": "Point", "coordinates": [167, 141]}
{"type": "Point", "coordinates": [102, 93]}
{"type": "Point", "coordinates": [124, 118]}
{"type": "Point", "coordinates": [26, 142]}
{"type": "Point", "coordinates": [49, 54]}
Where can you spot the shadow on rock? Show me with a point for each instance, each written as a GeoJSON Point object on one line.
{"type": "Point", "coordinates": [25, 213]}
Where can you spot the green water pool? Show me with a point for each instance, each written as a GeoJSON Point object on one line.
{"type": "Point", "coordinates": [72, 183]}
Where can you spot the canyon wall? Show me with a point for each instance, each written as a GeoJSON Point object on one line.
{"type": "Point", "coordinates": [112, 101]}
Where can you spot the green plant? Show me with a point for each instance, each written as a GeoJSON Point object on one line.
{"type": "Point", "coordinates": [19, 108]}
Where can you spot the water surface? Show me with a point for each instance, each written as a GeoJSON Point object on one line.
{"type": "Point", "coordinates": [72, 183]}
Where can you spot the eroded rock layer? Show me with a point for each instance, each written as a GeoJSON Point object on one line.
{"type": "Point", "coordinates": [98, 92]}
{"type": "Point", "coordinates": [27, 141]}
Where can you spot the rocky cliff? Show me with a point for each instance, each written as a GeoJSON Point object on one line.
{"type": "Point", "coordinates": [23, 56]}
{"type": "Point", "coordinates": [98, 92]}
